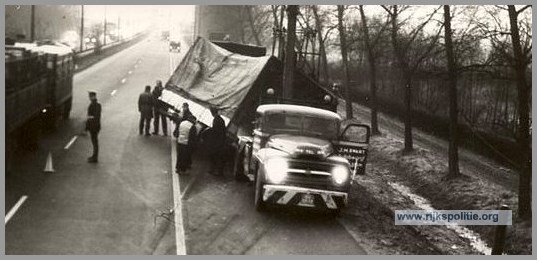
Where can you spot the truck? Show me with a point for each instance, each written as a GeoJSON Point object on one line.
{"type": "Point", "coordinates": [302, 156]}
{"type": "Point", "coordinates": [298, 152]}
{"type": "Point", "coordinates": [39, 90]}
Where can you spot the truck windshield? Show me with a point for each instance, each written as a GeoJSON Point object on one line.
{"type": "Point", "coordinates": [304, 125]}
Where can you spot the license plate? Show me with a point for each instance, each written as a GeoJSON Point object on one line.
{"type": "Point", "coordinates": [306, 200]}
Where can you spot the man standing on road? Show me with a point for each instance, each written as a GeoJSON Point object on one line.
{"type": "Point", "coordinates": [145, 107]}
{"type": "Point", "coordinates": [93, 125]}
{"type": "Point", "coordinates": [185, 144]}
{"type": "Point", "coordinates": [217, 135]}
{"type": "Point", "coordinates": [157, 92]}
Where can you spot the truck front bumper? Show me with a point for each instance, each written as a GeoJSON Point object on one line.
{"type": "Point", "coordinates": [304, 197]}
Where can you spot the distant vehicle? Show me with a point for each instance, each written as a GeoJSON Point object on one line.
{"type": "Point", "coordinates": [165, 35]}
{"type": "Point", "coordinates": [175, 45]}
{"type": "Point", "coordinates": [39, 91]}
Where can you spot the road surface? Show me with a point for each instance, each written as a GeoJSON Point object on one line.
{"type": "Point", "coordinates": [122, 204]}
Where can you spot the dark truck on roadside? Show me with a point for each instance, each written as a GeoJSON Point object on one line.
{"type": "Point", "coordinates": [39, 90]}
{"type": "Point", "coordinates": [297, 151]}
{"type": "Point", "coordinates": [301, 156]}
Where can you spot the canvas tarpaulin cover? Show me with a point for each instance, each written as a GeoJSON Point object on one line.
{"type": "Point", "coordinates": [211, 76]}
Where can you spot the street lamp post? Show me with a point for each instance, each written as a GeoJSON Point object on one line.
{"type": "Point", "coordinates": [82, 29]}
{"type": "Point", "coordinates": [104, 33]}
{"type": "Point", "coordinates": [32, 24]}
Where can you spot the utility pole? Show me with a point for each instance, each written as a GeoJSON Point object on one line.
{"type": "Point", "coordinates": [118, 20]}
{"type": "Point", "coordinates": [289, 65]}
{"type": "Point", "coordinates": [104, 33]}
{"type": "Point", "coordinates": [82, 29]}
{"type": "Point", "coordinates": [32, 24]}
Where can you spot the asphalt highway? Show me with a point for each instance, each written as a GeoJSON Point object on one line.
{"type": "Point", "coordinates": [128, 203]}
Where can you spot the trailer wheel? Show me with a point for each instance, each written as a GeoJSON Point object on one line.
{"type": "Point", "coordinates": [28, 134]}
{"type": "Point", "coordinates": [11, 149]}
{"type": "Point", "coordinates": [67, 105]}
{"type": "Point", "coordinates": [259, 203]}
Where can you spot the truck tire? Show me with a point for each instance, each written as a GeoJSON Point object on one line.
{"type": "Point", "coordinates": [49, 119]}
{"type": "Point", "coordinates": [239, 170]}
{"type": "Point", "coordinates": [335, 212]}
{"type": "Point", "coordinates": [259, 203]}
{"type": "Point", "coordinates": [67, 105]}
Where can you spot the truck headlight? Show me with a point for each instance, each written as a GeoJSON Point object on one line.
{"type": "Point", "coordinates": [340, 174]}
{"type": "Point", "coordinates": [276, 169]}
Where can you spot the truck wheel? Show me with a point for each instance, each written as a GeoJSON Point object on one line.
{"type": "Point", "coordinates": [67, 105]}
{"type": "Point", "coordinates": [259, 203]}
{"type": "Point", "coordinates": [335, 213]}
{"type": "Point", "coordinates": [238, 170]}
{"type": "Point", "coordinates": [49, 119]}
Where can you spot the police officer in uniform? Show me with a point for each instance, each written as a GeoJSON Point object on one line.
{"type": "Point", "coordinates": [93, 125]}
{"type": "Point", "coordinates": [145, 107]}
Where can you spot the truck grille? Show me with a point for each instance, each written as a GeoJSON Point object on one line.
{"type": "Point", "coordinates": [311, 175]}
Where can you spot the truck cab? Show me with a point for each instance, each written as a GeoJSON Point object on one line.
{"type": "Point", "coordinates": [302, 156]}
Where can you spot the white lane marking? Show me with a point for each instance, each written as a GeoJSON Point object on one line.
{"type": "Point", "coordinates": [123, 80]}
{"type": "Point", "coordinates": [15, 208]}
{"type": "Point", "coordinates": [71, 142]}
{"type": "Point", "coordinates": [177, 207]}
{"type": "Point", "coordinates": [130, 72]}
{"type": "Point", "coordinates": [113, 92]}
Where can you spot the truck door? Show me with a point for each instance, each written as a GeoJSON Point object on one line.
{"type": "Point", "coordinates": [352, 145]}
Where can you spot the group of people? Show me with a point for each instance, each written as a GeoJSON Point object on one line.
{"type": "Point", "coordinates": [186, 132]}
{"type": "Point", "coordinates": [187, 135]}
{"type": "Point", "coordinates": [149, 109]}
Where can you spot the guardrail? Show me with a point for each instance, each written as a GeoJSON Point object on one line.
{"type": "Point", "coordinates": [83, 59]}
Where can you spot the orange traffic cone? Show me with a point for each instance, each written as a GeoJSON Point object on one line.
{"type": "Point", "coordinates": [48, 166]}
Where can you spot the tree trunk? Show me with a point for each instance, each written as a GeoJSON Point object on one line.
{"type": "Point", "coordinates": [373, 74]}
{"type": "Point", "coordinates": [290, 57]}
{"type": "Point", "coordinates": [322, 51]}
{"type": "Point", "coordinates": [343, 43]}
{"type": "Point", "coordinates": [408, 114]}
{"type": "Point", "coordinates": [403, 65]}
{"type": "Point", "coordinates": [523, 133]}
{"type": "Point", "coordinates": [276, 27]}
{"type": "Point", "coordinates": [281, 44]}
{"type": "Point", "coordinates": [453, 113]}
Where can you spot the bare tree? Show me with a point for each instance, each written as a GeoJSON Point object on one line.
{"type": "Point", "coordinates": [252, 24]}
{"type": "Point", "coordinates": [409, 56]}
{"type": "Point", "coordinates": [453, 113]}
{"type": "Point", "coordinates": [523, 136]}
{"type": "Point", "coordinates": [343, 45]}
{"type": "Point", "coordinates": [371, 58]}
{"type": "Point", "coordinates": [324, 30]}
